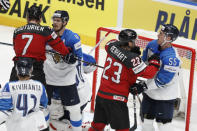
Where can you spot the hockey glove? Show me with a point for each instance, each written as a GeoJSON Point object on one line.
{"type": "Point", "coordinates": [138, 88]}
{"type": "Point", "coordinates": [154, 60]}
{"type": "Point", "coordinates": [70, 58]}
{"type": "Point", "coordinates": [89, 68]}
{"type": "Point", "coordinates": [136, 50]}
{"type": "Point", "coordinates": [5, 4]}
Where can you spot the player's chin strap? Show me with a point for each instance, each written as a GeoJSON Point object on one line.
{"type": "Point", "coordinates": [165, 41]}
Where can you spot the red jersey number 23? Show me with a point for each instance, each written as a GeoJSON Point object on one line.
{"type": "Point", "coordinates": [116, 77]}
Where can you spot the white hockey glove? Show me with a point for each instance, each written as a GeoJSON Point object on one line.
{"type": "Point", "coordinates": [89, 68]}
{"type": "Point", "coordinates": [5, 4]}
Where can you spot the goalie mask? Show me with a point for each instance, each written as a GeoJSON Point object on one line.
{"type": "Point", "coordinates": [24, 66]}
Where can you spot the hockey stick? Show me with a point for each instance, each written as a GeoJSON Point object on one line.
{"type": "Point", "coordinates": [135, 116]}
{"type": "Point", "coordinates": [2, 122]}
{"type": "Point", "coordinates": [50, 51]}
{"type": "Point", "coordinates": [94, 64]}
{"type": "Point", "coordinates": [102, 39]}
{"type": "Point", "coordinates": [6, 44]}
{"type": "Point", "coordinates": [141, 114]}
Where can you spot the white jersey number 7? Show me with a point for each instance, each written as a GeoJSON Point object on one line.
{"type": "Point", "coordinates": [30, 38]}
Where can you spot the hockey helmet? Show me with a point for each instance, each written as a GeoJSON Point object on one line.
{"type": "Point", "coordinates": [24, 66]}
{"type": "Point", "coordinates": [61, 14]}
{"type": "Point", "coordinates": [34, 12]}
{"type": "Point", "coordinates": [127, 35]}
{"type": "Point", "coordinates": [170, 30]}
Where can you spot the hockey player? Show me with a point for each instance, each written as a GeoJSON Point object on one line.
{"type": "Point", "coordinates": [22, 101]}
{"type": "Point", "coordinates": [83, 85]}
{"type": "Point", "coordinates": [30, 41]}
{"type": "Point", "coordinates": [60, 117]}
{"type": "Point", "coordinates": [61, 75]}
{"type": "Point", "coordinates": [162, 90]}
{"type": "Point", "coordinates": [5, 4]}
{"type": "Point", "coordinates": [122, 67]}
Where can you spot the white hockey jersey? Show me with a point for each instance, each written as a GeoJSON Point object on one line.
{"type": "Point", "coordinates": [57, 72]}
{"type": "Point", "coordinates": [23, 97]}
{"type": "Point", "coordinates": [165, 84]}
{"type": "Point", "coordinates": [60, 73]}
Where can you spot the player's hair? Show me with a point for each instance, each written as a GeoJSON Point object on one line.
{"type": "Point", "coordinates": [61, 14]}
{"type": "Point", "coordinates": [24, 66]}
{"type": "Point", "coordinates": [34, 13]}
{"type": "Point", "coordinates": [170, 30]}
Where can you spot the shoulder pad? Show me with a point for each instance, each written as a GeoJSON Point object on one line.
{"type": "Point", "coordinates": [129, 59]}
{"type": "Point", "coordinates": [153, 46]}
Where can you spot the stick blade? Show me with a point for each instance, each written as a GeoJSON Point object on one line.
{"type": "Point", "coordinates": [133, 127]}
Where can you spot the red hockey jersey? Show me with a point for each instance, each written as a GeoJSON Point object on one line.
{"type": "Point", "coordinates": [30, 41]}
{"type": "Point", "coordinates": [121, 70]}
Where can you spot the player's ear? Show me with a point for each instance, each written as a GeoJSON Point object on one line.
{"type": "Point", "coordinates": [65, 23]}
{"type": "Point", "coordinates": [168, 38]}
{"type": "Point", "coordinates": [40, 20]}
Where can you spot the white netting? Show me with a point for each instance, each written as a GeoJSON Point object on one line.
{"type": "Point", "coordinates": [189, 68]}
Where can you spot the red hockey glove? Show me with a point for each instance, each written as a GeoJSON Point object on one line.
{"type": "Point", "coordinates": [154, 60]}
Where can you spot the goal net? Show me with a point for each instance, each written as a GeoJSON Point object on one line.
{"type": "Point", "coordinates": [186, 82]}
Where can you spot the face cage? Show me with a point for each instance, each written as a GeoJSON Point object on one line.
{"type": "Point", "coordinates": [29, 74]}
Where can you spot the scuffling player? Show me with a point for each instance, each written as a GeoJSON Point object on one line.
{"type": "Point", "coordinates": [162, 90]}
{"type": "Point", "coordinates": [61, 117]}
{"type": "Point", "coordinates": [5, 4]}
{"type": "Point", "coordinates": [22, 102]}
{"type": "Point", "coordinates": [30, 41]}
{"type": "Point", "coordinates": [60, 74]}
{"type": "Point", "coordinates": [122, 67]}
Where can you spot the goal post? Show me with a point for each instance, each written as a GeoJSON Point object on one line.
{"type": "Point", "coordinates": [187, 55]}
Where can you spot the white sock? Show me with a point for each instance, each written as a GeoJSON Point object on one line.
{"type": "Point", "coordinates": [165, 127]}
{"type": "Point", "coordinates": [147, 125]}
{"type": "Point", "coordinates": [77, 128]}
{"type": "Point", "coordinates": [75, 117]}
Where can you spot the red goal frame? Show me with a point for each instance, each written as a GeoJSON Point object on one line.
{"type": "Point", "coordinates": [191, 77]}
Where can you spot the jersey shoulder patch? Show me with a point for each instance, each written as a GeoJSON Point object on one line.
{"type": "Point", "coordinates": [71, 38]}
